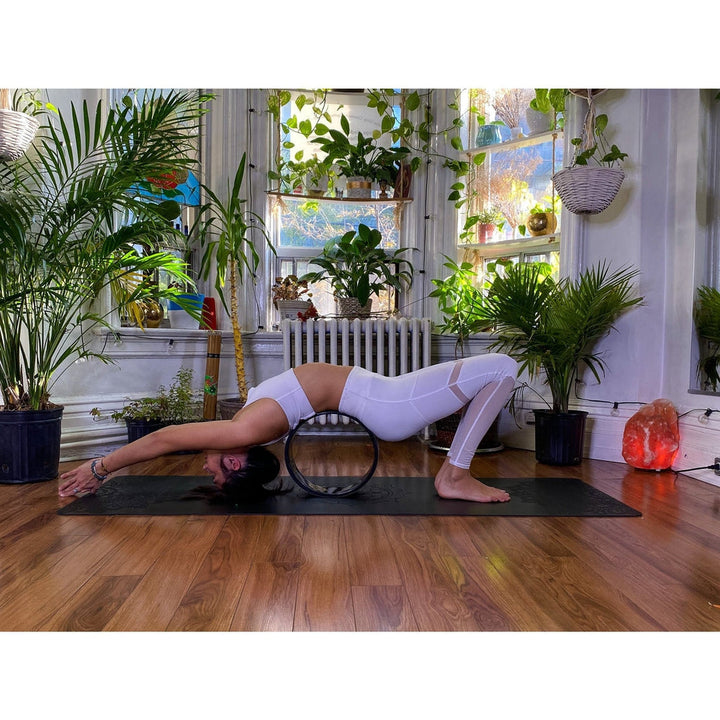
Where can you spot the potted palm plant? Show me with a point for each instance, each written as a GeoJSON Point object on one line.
{"type": "Point", "coordinates": [553, 328]}
{"type": "Point", "coordinates": [227, 240]}
{"type": "Point", "coordinates": [356, 266]}
{"type": "Point", "coordinates": [69, 227]}
{"type": "Point", "coordinates": [706, 312]}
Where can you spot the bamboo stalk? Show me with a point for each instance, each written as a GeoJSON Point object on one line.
{"type": "Point", "coordinates": [237, 336]}
{"type": "Point", "coordinates": [212, 369]}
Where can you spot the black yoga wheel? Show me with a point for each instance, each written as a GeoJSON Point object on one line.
{"type": "Point", "coordinates": [355, 467]}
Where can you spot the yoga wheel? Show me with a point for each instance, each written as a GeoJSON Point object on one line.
{"type": "Point", "coordinates": [351, 449]}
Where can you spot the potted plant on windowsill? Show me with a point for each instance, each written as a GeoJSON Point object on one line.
{"type": "Point", "coordinates": [546, 110]}
{"type": "Point", "coordinates": [593, 179]}
{"type": "Point", "coordinates": [70, 223]}
{"type": "Point", "coordinates": [553, 328]}
{"type": "Point", "coordinates": [289, 295]}
{"type": "Point", "coordinates": [543, 218]}
{"type": "Point", "coordinates": [487, 220]}
{"type": "Point", "coordinates": [356, 266]}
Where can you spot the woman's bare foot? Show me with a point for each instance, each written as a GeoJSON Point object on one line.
{"type": "Point", "coordinates": [454, 483]}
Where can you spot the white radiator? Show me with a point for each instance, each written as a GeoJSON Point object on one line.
{"type": "Point", "coordinates": [390, 347]}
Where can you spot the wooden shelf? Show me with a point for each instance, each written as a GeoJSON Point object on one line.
{"type": "Point", "coordinates": [528, 141]}
{"type": "Point", "coordinates": [373, 200]}
{"type": "Point", "coordinates": [510, 244]}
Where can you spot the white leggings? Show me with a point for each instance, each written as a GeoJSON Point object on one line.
{"type": "Point", "coordinates": [395, 408]}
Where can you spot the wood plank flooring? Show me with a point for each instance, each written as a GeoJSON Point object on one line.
{"type": "Point", "coordinates": [660, 572]}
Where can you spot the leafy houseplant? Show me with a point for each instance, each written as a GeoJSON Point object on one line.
{"type": "Point", "coordinates": [69, 226]}
{"type": "Point", "coordinates": [356, 266]}
{"type": "Point", "coordinates": [706, 313]}
{"type": "Point", "coordinates": [228, 248]}
{"type": "Point", "coordinates": [593, 179]}
{"type": "Point", "coordinates": [487, 220]}
{"type": "Point", "coordinates": [553, 328]}
{"type": "Point", "coordinates": [363, 159]}
{"type": "Point", "coordinates": [548, 104]}
{"type": "Point", "coordinates": [462, 304]}
{"type": "Point", "coordinates": [291, 297]}
{"type": "Point", "coordinates": [173, 405]}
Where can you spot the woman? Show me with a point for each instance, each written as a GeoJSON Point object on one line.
{"type": "Point", "coordinates": [393, 408]}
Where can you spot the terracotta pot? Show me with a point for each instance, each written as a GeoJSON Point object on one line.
{"type": "Point", "coordinates": [485, 232]}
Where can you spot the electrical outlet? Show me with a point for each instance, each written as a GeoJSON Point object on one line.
{"type": "Point", "coordinates": [717, 464]}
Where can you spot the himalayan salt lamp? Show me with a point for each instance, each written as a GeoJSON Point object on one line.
{"type": "Point", "coordinates": [651, 437]}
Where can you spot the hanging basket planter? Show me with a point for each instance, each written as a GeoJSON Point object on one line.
{"type": "Point", "coordinates": [586, 190]}
{"type": "Point", "coordinates": [17, 131]}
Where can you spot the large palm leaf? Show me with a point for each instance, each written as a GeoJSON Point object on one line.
{"type": "Point", "coordinates": [71, 224]}
{"type": "Point", "coordinates": [555, 327]}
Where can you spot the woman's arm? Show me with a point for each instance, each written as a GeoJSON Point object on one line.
{"type": "Point", "coordinates": [262, 421]}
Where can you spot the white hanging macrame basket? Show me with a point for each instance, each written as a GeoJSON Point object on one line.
{"type": "Point", "coordinates": [17, 129]}
{"type": "Point", "coordinates": [588, 189]}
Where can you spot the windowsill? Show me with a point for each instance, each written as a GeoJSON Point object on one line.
{"type": "Point", "coordinates": [161, 332]}
{"type": "Point", "coordinates": [512, 244]}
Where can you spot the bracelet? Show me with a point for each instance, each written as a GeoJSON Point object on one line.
{"type": "Point", "coordinates": [95, 472]}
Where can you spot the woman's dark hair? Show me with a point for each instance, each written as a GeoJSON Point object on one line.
{"type": "Point", "coordinates": [247, 484]}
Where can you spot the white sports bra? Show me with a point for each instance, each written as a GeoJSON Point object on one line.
{"type": "Point", "coordinates": [288, 393]}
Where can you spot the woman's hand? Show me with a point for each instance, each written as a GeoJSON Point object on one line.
{"type": "Point", "coordinates": [79, 481]}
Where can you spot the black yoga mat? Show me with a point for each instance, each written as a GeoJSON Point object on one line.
{"type": "Point", "coordinates": [162, 495]}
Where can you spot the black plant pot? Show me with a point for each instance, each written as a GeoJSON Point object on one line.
{"type": "Point", "coordinates": [30, 445]}
{"type": "Point", "coordinates": [139, 428]}
{"type": "Point", "coordinates": [559, 437]}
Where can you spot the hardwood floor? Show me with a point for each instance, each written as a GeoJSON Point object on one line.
{"type": "Point", "coordinates": [660, 572]}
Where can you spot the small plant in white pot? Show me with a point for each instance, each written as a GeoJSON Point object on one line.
{"type": "Point", "coordinates": [291, 298]}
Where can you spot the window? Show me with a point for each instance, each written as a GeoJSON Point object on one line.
{"type": "Point", "coordinates": [303, 216]}
{"type": "Point", "coordinates": [183, 188]}
{"type": "Point", "coordinates": [509, 181]}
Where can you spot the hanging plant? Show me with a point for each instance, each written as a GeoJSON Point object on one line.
{"type": "Point", "coordinates": [592, 181]}
{"type": "Point", "coordinates": [18, 121]}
